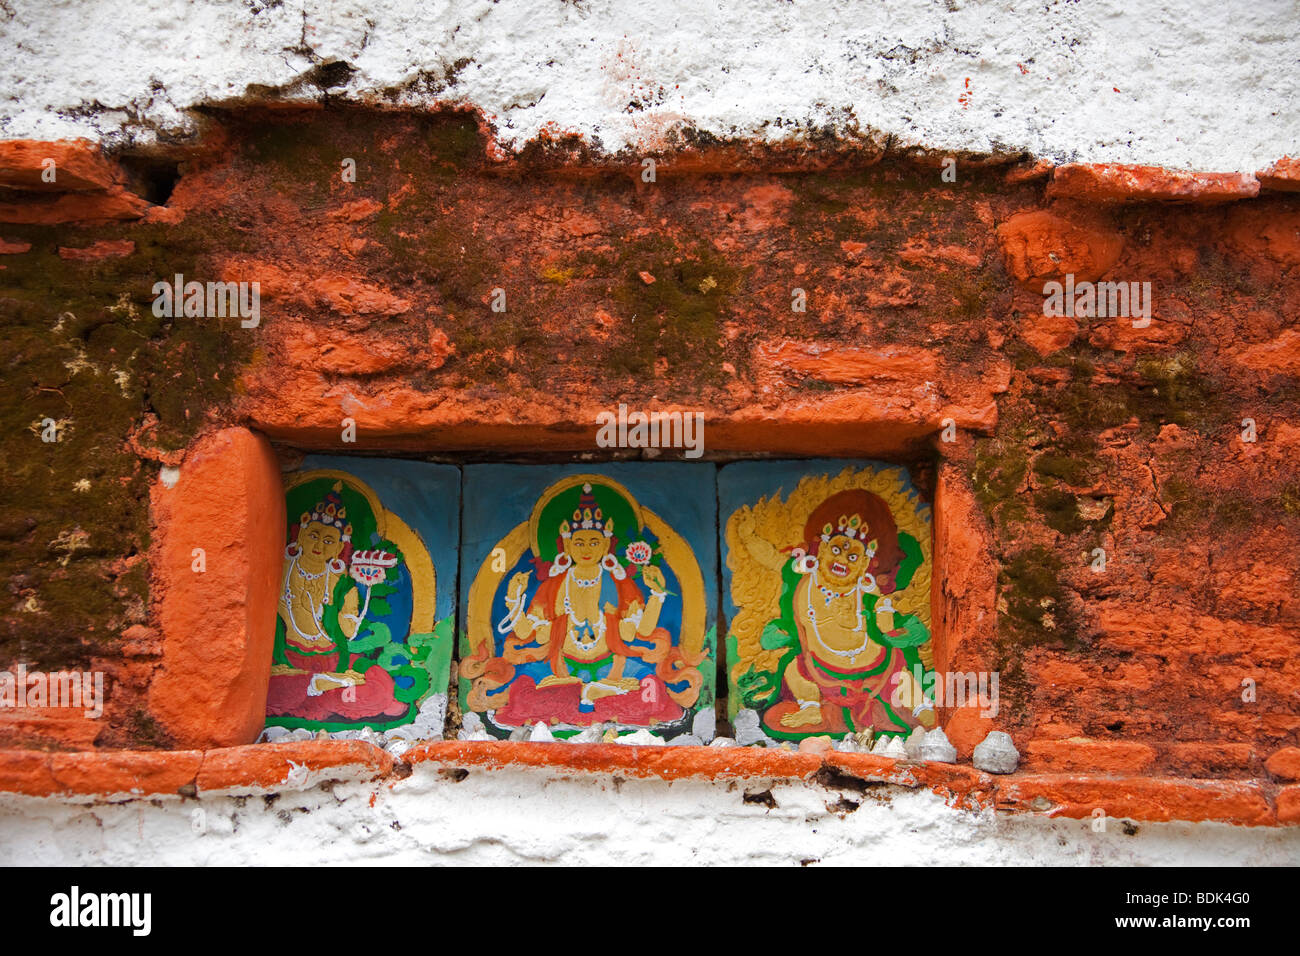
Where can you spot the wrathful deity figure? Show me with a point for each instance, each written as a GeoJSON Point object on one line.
{"type": "Point", "coordinates": [316, 675]}
{"type": "Point", "coordinates": [841, 657]}
{"type": "Point", "coordinates": [586, 634]}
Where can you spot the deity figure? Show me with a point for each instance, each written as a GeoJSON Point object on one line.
{"type": "Point", "coordinates": [316, 675]}
{"type": "Point", "coordinates": [581, 640]}
{"type": "Point", "coordinates": [846, 658]}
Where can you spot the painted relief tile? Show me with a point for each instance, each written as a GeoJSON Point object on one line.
{"type": "Point", "coordinates": [588, 598]}
{"type": "Point", "coordinates": [365, 628]}
{"type": "Point", "coordinates": [826, 571]}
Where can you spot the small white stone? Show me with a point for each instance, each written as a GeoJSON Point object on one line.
{"type": "Point", "coordinates": [640, 737]}
{"type": "Point", "coordinates": [996, 753]}
{"type": "Point", "coordinates": [896, 749]}
{"type": "Point", "coordinates": [881, 745]}
{"type": "Point", "coordinates": [937, 749]}
{"type": "Point", "coordinates": [749, 728]}
{"type": "Point", "coordinates": [169, 475]}
{"type": "Point", "coordinates": [686, 740]}
{"type": "Point", "coordinates": [846, 745]}
{"type": "Point", "coordinates": [471, 728]}
{"type": "Point", "coordinates": [272, 734]}
{"type": "Point", "coordinates": [722, 742]}
{"type": "Point", "coordinates": [432, 717]}
{"type": "Point", "coordinates": [914, 742]}
{"type": "Point", "coordinates": [398, 746]}
{"type": "Point", "coordinates": [705, 724]}
{"type": "Point", "coordinates": [542, 734]}
{"type": "Point", "coordinates": [589, 735]}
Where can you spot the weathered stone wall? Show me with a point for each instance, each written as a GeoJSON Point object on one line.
{"type": "Point", "coordinates": [1160, 688]}
{"type": "Point", "coordinates": [924, 307]}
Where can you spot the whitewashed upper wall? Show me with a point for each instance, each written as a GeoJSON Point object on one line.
{"type": "Point", "coordinates": [1209, 86]}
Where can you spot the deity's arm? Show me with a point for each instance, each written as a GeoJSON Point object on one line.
{"type": "Point", "coordinates": [529, 628]}
{"type": "Point", "coordinates": [533, 626]}
{"type": "Point", "coordinates": [650, 615]}
{"type": "Point", "coordinates": [653, 579]}
{"type": "Point", "coordinates": [616, 669]}
{"type": "Point", "coordinates": [349, 622]}
{"type": "Point", "coordinates": [516, 622]}
{"type": "Point", "coordinates": [759, 548]}
{"type": "Point", "coordinates": [523, 629]}
{"type": "Point", "coordinates": [285, 592]}
{"type": "Point", "coordinates": [301, 616]}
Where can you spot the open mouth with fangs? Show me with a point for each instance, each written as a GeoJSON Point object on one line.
{"type": "Point", "coordinates": [839, 570]}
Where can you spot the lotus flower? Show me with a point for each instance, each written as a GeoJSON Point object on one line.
{"type": "Point", "coordinates": [638, 552]}
{"type": "Point", "coordinates": [370, 567]}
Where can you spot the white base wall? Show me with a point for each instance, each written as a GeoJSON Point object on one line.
{"type": "Point", "coordinates": [504, 817]}
{"type": "Point", "coordinates": [1207, 86]}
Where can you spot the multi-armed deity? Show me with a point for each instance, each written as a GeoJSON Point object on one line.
{"type": "Point", "coordinates": [831, 587]}
{"type": "Point", "coordinates": [593, 612]}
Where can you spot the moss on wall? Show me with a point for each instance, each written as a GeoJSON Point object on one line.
{"type": "Point", "coordinates": [83, 349]}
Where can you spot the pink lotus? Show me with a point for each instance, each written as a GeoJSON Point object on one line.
{"type": "Point", "coordinates": [638, 552]}
{"type": "Point", "coordinates": [369, 567]}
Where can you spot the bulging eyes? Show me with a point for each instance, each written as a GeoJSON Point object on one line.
{"type": "Point", "coordinates": [853, 557]}
{"type": "Point", "coordinates": [835, 550]}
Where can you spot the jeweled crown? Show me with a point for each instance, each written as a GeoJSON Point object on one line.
{"type": "Point", "coordinates": [330, 511]}
{"type": "Point", "coordinates": [849, 525]}
{"type": "Point", "coordinates": [587, 517]}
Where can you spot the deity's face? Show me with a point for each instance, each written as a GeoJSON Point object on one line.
{"type": "Point", "coordinates": [586, 548]}
{"type": "Point", "coordinates": [320, 544]}
{"type": "Point", "coordinates": [841, 560]}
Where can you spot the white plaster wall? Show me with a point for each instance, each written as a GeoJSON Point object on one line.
{"type": "Point", "coordinates": [534, 816]}
{"type": "Point", "coordinates": [1192, 85]}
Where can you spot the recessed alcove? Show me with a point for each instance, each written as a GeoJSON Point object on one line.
{"type": "Point", "coordinates": [694, 663]}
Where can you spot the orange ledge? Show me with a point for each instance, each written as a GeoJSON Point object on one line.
{"type": "Point", "coordinates": [264, 767]}
{"type": "Point", "coordinates": [137, 773]}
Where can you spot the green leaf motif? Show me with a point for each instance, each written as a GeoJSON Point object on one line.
{"type": "Point", "coordinates": [378, 636]}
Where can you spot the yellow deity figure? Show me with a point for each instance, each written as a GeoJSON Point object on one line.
{"type": "Point", "coordinates": [581, 638]}
{"type": "Point", "coordinates": [320, 611]}
{"type": "Point", "coordinates": [840, 657]}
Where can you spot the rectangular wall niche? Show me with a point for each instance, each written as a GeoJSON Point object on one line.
{"type": "Point", "coordinates": [588, 600]}
{"type": "Point", "coordinates": [827, 581]}
{"type": "Point", "coordinates": [364, 628]}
